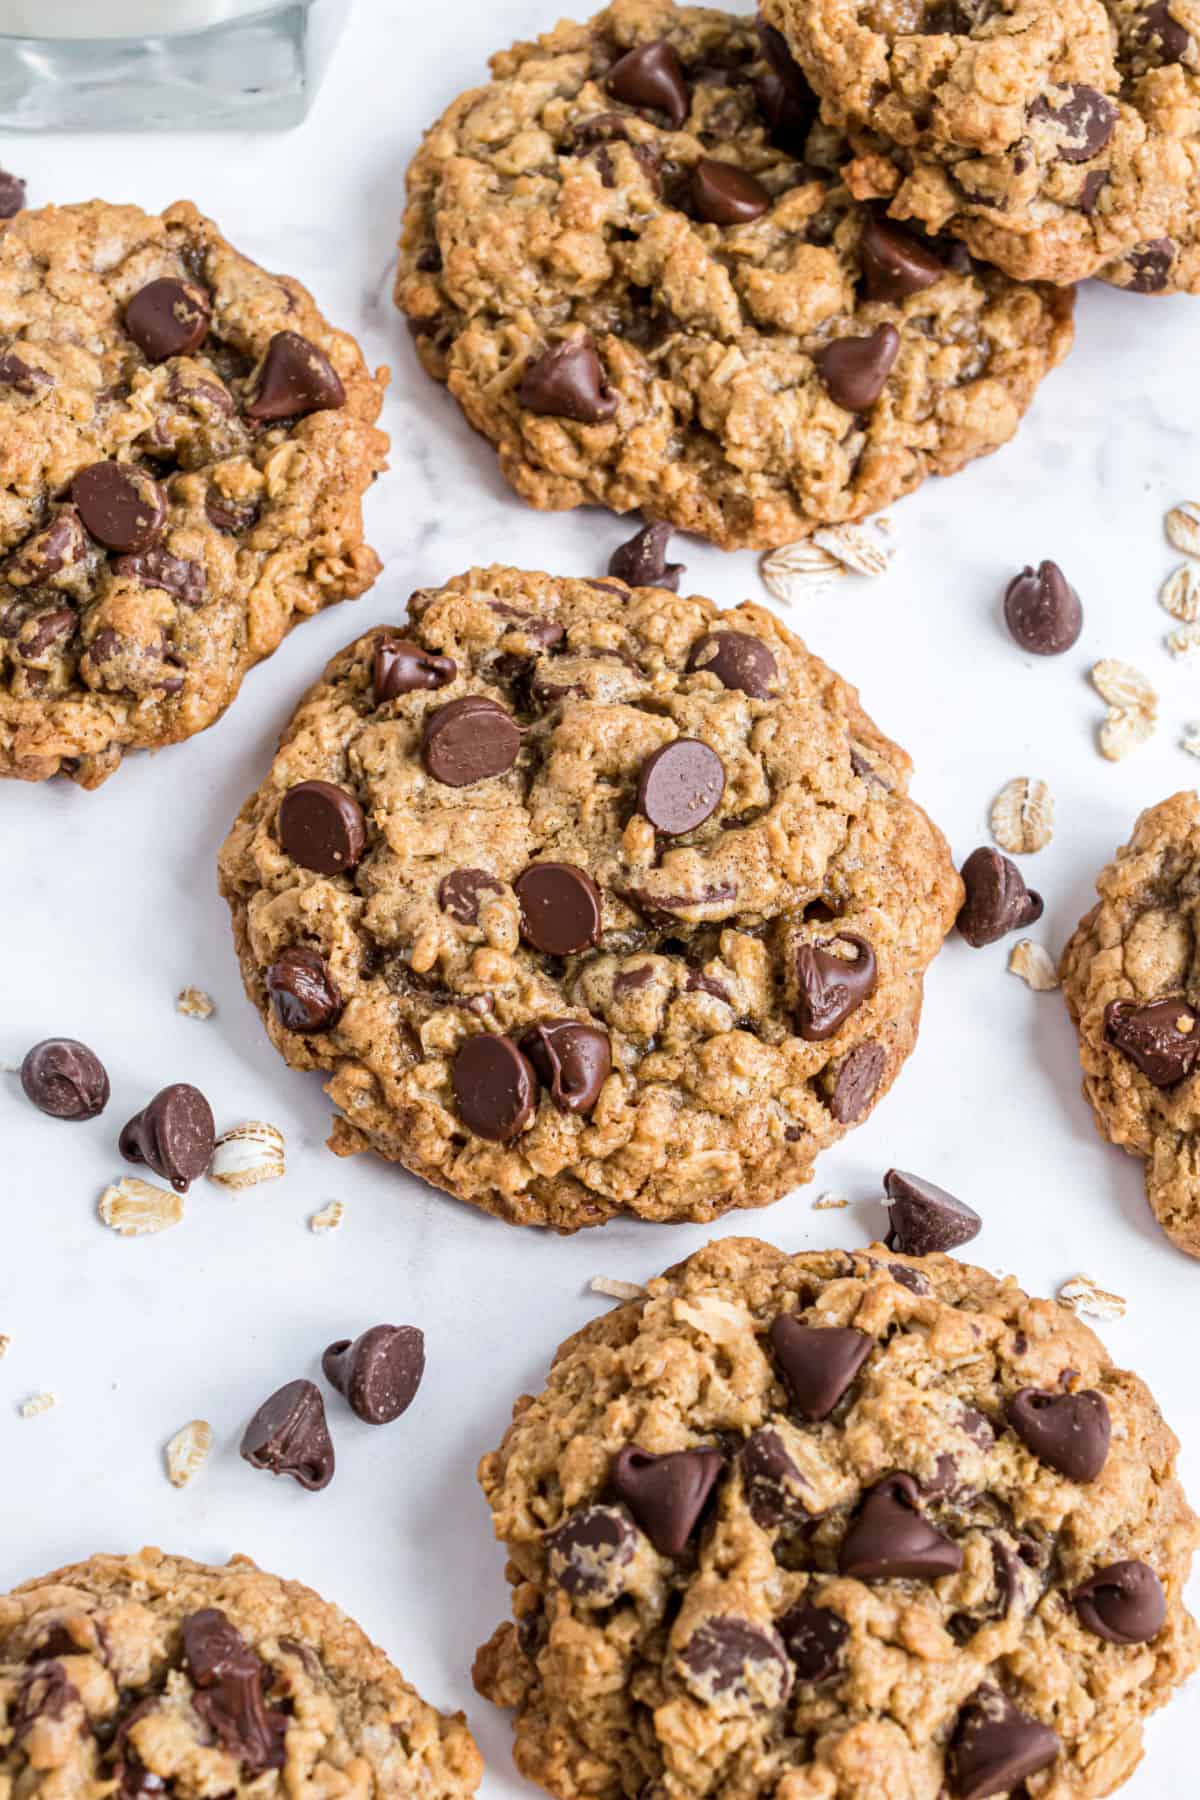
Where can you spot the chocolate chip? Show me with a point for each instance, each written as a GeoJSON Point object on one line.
{"type": "Point", "coordinates": [64, 1079]}
{"type": "Point", "coordinates": [912, 1279]}
{"type": "Point", "coordinates": [857, 1082]}
{"type": "Point", "coordinates": [680, 786]}
{"type": "Point", "coordinates": [818, 1362]}
{"type": "Point", "coordinates": [295, 379]}
{"type": "Point", "coordinates": [1123, 1603]}
{"type": "Point", "coordinates": [379, 1372]}
{"type": "Point", "coordinates": [1150, 266]}
{"type": "Point", "coordinates": [1083, 119]}
{"type": "Point", "coordinates": [666, 1494]}
{"type": "Point", "coordinates": [59, 545]}
{"type": "Point", "coordinates": [1161, 32]}
{"type": "Point", "coordinates": [997, 899]}
{"type": "Point", "coordinates": [855, 369]}
{"type": "Point", "coordinates": [120, 505]}
{"type": "Point", "coordinates": [402, 667]}
{"type": "Point", "coordinates": [303, 991]}
{"type": "Point", "coordinates": [173, 1135]}
{"type": "Point", "coordinates": [12, 194]}
{"type": "Point", "coordinates": [1094, 184]}
{"type": "Point", "coordinates": [737, 660]}
{"type": "Point", "coordinates": [589, 1552]}
{"type": "Point", "coordinates": [723, 194]}
{"type": "Point", "coordinates": [773, 1484]}
{"type": "Point", "coordinates": [168, 318]}
{"type": "Point", "coordinates": [651, 75]}
{"type": "Point", "coordinates": [156, 568]}
{"type": "Point", "coordinates": [787, 115]}
{"type": "Point", "coordinates": [545, 633]}
{"type": "Point", "coordinates": [232, 516]}
{"type": "Point", "coordinates": [996, 1747]}
{"type": "Point", "coordinates": [462, 892]}
{"type": "Point", "coordinates": [926, 1220]}
{"type": "Point", "coordinates": [23, 376]}
{"type": "Point", "coordinates": [829, 988]}
{"type": "Point", "coordinates": [322, 827]}
{"type": "Point", "coordinates": [895, 263]}
{"type": "Point", "coordinates": [228, 1678]}
{"type": "Point", "coordinates": [469, 740]}
{"type": "Point", "coordinates": [572, 1059]}
{"type": "Point", "coordinates": [134, 1780]}
{"type": "Point", "coordinates": [813, 1637]}
{"type": "Point", "coordinates": [1042, 610]}
{"type": "Point", "coordinates": [495, 1088]}
{"type": "Point", "coordinates": [1159, 1038]}
{"type": "Point", "coordinates": [642, 561]}
{"type": "Point", "coordinates": [1068, 1432]}
{"type": "Point", "coordinates": [560, 908]}
{"type": "Point", "coordinates": [731, 1662]}
{"type": "Point", "coordinates": [288, 1436]}
{"type": "Point", "coordinates": [567, 382]}
{"type": "Point", "coordinates": [890, 1538]}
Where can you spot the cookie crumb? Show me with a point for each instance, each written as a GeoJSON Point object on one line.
{"type": "Point", "coordinates": [798, 570]}
{"type": "Point", "coordinates": [188, 1451]}
{"type": "Point", "coordinates": [1182, 525]}
{"type": "Point", "coordinates": [194, 1003]}
{"type": "Point", "coordinates": [1034, 964]}
{"type": "Point", "coordinates": [135, 1208]}
{"type": "Point", "coordinates": [37, 1404]}
{"type": "Point", "coordinates": [1132, 707]}
{"type": "Point", "coordinates": [1180, 593]}
{"type": "Point", "coordinates": [1083, 1295]}
{"type": "Point", "coordinates": [615, 1289]}
{"type": "Point", "coordinates": [248, 1154]}
{"type": "Point", "coordinates": [1022, 816]}
{"type": "Point", "coordinates": [329, 1218]}
{"type": "Point", "coordinates": [829, 1203]}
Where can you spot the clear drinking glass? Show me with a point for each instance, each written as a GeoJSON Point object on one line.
{"type": "Point", "coordinates": [151, 65]}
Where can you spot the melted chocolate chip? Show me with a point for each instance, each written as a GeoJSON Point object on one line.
{"type": "Point", "coordinates": [773, 1484]}
{"type": "Point", "coordinates": [735, 1665]}
{"type": "Point", "coordinates": [813, 1637]}
{"type": "Point", "coordinates": [402, 667]}
{"type": "Point", "coordinates": [156, 568]}
{"type": "Point", "coordinates": [1161, 32]}
{"type": "Point", "coordinates": [1150, 265]}
{"type": "Point", "coordinates": [1160, 1038]}
{"type": "Point", "coordinates": [303, 991]}
{"type": "Point", "coordinates": [567, 382]}
{"type": "Point", "coordinates": [288, 1435]}
{"type": "Point", "coordinates": [120, 505]}
{"type": "Point", "coordinates": [464, 891]}
{"type": "Point", "coordinates": [829, 988]}
{"type": "Point", "coordinates": [1083, 120]}
{"type": "Point", "coordinates": [570, 1058]}
{"type": "Point", "coordinates": [588, 1554]}
{"type": "Point", "coordinates": [857, 1082]}
{"type": "Point", "coordinates": [229, 1679]}
{"type": "Point", "coordinates": [295, 379]}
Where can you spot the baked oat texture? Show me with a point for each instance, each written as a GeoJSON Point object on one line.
{"type": "Point", "coordinates": [1060, 140]}
{"type": "Point", "coordinates": [544, 210]}
{"type": "Point", "coordinates": [148, 1674]}
{"type": "Point", "coordinates": [1139, 945]}
{"type": "Point", "coordinates": [260, 518]}
{"type": "Point", "coordinates": [692, 979]}
{"type": "Point", "coordinates": [831, 1686]}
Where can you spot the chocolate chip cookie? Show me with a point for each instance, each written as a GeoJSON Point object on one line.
{"type": "Point", "coordinates": [836, 1526]}
{"type": "Point", "coordinates": [1058, 141]}
{"type": "Point", "coordinates": [589, 899]}
{"type": "Point", "coordinates": [139, 1676]}
{"type": "Point", "coordinates": [185, 445]}
{"type": "Point", "coordinates": [640, 270]}
{"type": "Point", "coordinates": [1131, 978]}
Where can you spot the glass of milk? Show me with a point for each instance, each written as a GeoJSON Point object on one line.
{"type": "Point", "coordinates": [158, 65]}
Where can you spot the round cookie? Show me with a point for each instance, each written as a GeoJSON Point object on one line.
{"type": "Point", "coordinates": [589, 900]}
{"type": "Point", "coordinates": [1059, 140]}
{"type": "Point", "coordinates": [1131, 979]}
{"type": "Point", "coordinates": [642, 275]}
{"type": "Point", "coordinates": [148, 1674]}
{"type": "Point", "coordinates": [185, 445]}
{"type": "Point", "coordinates": [831, 1527]}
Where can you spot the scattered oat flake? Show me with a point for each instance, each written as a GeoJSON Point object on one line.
{"type": "Point", "coordinates": [1034, 964]}
{"type": "Point", "coordinates": [187, 1452]}
{"type": "Point", "coordinates": [1184, 642]}
{"type": "Point", "coordinates": [1123, 731]}
{"type": "Point", "coordinates": [798, 570]}
{"type": "Point", "coordinates": [616, 1289]}
{"type": "Point", "coordinates": [829, 1203]}
{"type": "Point", "coordinates": [1132, 707]}
{"type": "Point", "coordinates": [1022, 817]}
{"type": "Point", "coordinates": [135, 1208]}
{"type": "Point", "coordinates": [1183, 527]}
{"type": "Point", "coordinates": [247, 1154]}
{"type": "Point", "coordinates": [1190, 741]}
{"type": "Point", "coordinates": [1180, 593]}
{"type": "Point", "coordinates": [5, 1344]}
{"type": "Point", "coordinates": [855, 548]}
{"type": "Point", "coordinates": [1084, 1295]}
{"type": "Point", "coordinates": [329, 1217]}
{"type": "Point", "coordinates": [36, 1404]}
{"type": "Point", "coordinates": [194, 1003]}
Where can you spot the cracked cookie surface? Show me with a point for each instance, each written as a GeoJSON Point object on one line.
{"type": "Point", "coordinates": [149, 1674]}
{"type": "Point", "coordinates": [639, 270]}
{"type": "Point", "coordinates": [184, 447]}
{"type": "Point", "coordinates": [589, 900]}
{"type": "Point", "coordinates": [834, 1526]}
{"type": "Point", "coordinates": [1131, 979]}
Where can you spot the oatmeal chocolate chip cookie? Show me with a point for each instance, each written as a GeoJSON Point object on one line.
{"type": "Point", "coordinates": [145, 1675]}
{"type": "Point", "coordinates": [1059, 140]}
{"type": "Point", "coordinates": [836, 1526]}
{"type": "Point", "coordinates": [184, 447]}
{"type": "Point", "coordinates": [639, 269]}
{"type": "Point", "coordinates": [590, 900]}
{"type": "Point", "coordinates": [1131, 978]}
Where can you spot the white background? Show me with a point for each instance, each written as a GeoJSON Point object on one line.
{"type": "Point", "coordinates": [110, 906]}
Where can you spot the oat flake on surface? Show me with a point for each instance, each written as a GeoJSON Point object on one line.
{"type": "Point", "coordinates": [856, 548]}
{"type": "Point", "coordinates": [1185, 641]}
{"type": "Point", "coordinates": [1084, 1295]}
{"type": "Point", "coordinates": [135, 1208]}
{"type": "Point", "coordinates": [5, 1344]}
{"type": "Point", "coordinates": [829, 1203]}
{"type": "Point", "coordinates": [1132, 707]}
{"type": "Point", "coordinates": [37, 1404]}
{"type": "Point", "coordinates": [1022, 816]}
{"type": "Point", "coordinates": [194, 1003]}
{"type": "Point", "coordinates": [329, 1218]}
{"type": "Point", "coordinates": [1190, 741]}
{"type": "Point", "coordinates": [616, 1289]}
{"type": "Point", "coordinates": [1180, 593]}
{"type": "Point", "coordinates": [1034, 964]}
{"type": "Point", "coordinates": [798, 570]}
{"type": "Point", "coordinates": [188, 1451]}
{"type": "Point", "coordinates": [1182, 525]}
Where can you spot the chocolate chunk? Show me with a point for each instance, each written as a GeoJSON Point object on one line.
{"type": "Point", "coordinates": [651, 76]}
{"type": "Point", "coordinates": [495, 1088]}
{"type": "Point", "coordinates": [666, 1494]}
{"type": "Point", "coordinates": [231, 516]}
{"type": "Point", "coordinates": [173, 1135]}
{"type": "Point", "coordinates": [855, 369]}
{"type": "Point", "coordinates": [1150, 265]}
{"type": "Point", "coordinates": [1083, 119]}
{"type": "Point", "coordinates": [402, 667]}
{"type": "Point", "coordinates": [996, 1747]}
{"type": "Point", "coordinates": [680, 786]}
{"type": "Point", "coordinates": [41, 633]}
{"type": "Point", "coordinates": [156, 568]}
{"type": "Point", "coordinates": [1123, 1603]}
{"type": "Point", "coordinates": [462, 893]}
{"type": "Point", "coordinates": [378, 1372]}
{"type": "Point", "coordinates": [912, 1279]}
{"type": "Point", "coordinates": [303, 991]}
{"type": "Point", "coordinates": [1042, 610]}
{"type": "Point", "coordinates": [296, 378]}
{"type": "Point", "coordinates": [737, 660]}
{"type": "Point", "coordinates": [857, 1082]}
{"type": "Point", "coordinates": [23, 376]}
{"type": "Point", "coordinates": [168, 318]}
{"type": "Point", "coordinates": [134, 1780]}
{"type": "Point", "coordinates": [890, 1539]}
{"type": "Point", "coordinates": [729, 1662]}
{"type": "Point", "coordinates": [926, 1220]}
{"type": "Point", "coordinates": [60, 545]}
{"type": "Point", "coordinates": [642, 561]}
{"type": "Point", "coordinates": [120, 505]}
{"type": "Point", "coordinates": [1161, 32]}
{"type": "Point", "coordinates": [818, 1362]}
{"type": "Point", "coordinates": [723, 194]}
{"type": "Point", "coordinates": [45, 1692]}
{"type": "Point", "coordinates": [12, 194]}
{"type": "Point", "coordinates": [228, 1678]}
{"type": "Point", "coordinates": [1068, 1432]}
{"type": "Point", "coordinates": [322, 827]}
{"type": "Point", "coordinates": [288, 1436]}
{"type": "Point", "coordinates": [567, 382]}
{"type": "Point", "coordinates": [572, 1059]}
{"type": "Point", "coordinates": [1159, 1038]}
{"type": "Point", "coordinates": [587, 1554]}
{"type": "Point", "coordinates": [64, 1079]}
{"type": "Point", "coordinates": [997, 899]}
{"type": "Point", "coordinates": [829, 988]}
{"type": "Point", "coordinates": [813, 1637]}
{"type": "Point", "coordinates": [469, 740]}
{"type": "Point", "coordinates": [560, 908]}
{"type": "Point", "coordinates": [772, 1482]}
{"type": "Point", "coordinates": [895, 263]}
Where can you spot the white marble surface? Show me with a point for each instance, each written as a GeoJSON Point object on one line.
{"type": "Point", "coordinates": [110, 907]}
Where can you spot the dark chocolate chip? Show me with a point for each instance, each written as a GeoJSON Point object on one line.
{"type": "Point", "coordinates": [120, 505]}
{"type": "Point", "coordinates": [587, 1554]}
{"type": "Point", "coordinates": [818, 1362]}
{"type": "Point", "coordinates": [788, 116]}
{"type": "Point", "coordinates": [890, 1538]}
{"type": "Point", "coordinates": [288, 1435]}
{"type": "Point", "coordinates": [1150, 266]}
{"type": "Point", "coordinates": [1042, 610]}
{"type": "Point", "coordinates": [1083, 118]}
{"type": "Point", "coordinates": [666, 1494]}
{"type": "Point", "coordinates": [1123, 1603]}
{"type": "Point", "coordinates": [560, 908]}
{"type": "Point", "coordinates": [723, 194]}
{"type": "Point", "coordinates": [567, 382]}
{"type": "Point", "coordinates": [463, 891]}
{"type": "Point", "coordinates": [642, 561]}
{"type": "Point", "coordinates": [829, 987]}
{"type": "Point", "coordinates": [40, 634]}
{"type": "Point", "coordinates": [303, 991]}
{"type": "Point", "coordinates": [402, 667]}
{"type": "Point", "coordinates": [997, 899]}
{"type": "Point", "coordinates": [23, 376]}
{"type": "Point", "coordinates": [895, 263]}
{"type": "Point", "coordinates": [995, 1747]}
{"type": "Point", "coordinates": [857, 1082]}
{"type": "Point", "coordinates": [680, 786]}
{"type": "Point", "coordinates": [168, 318]}
{"type": "Point", "coordinates": [1068, 1432]}
{"type": "Point", "coordinates": [570, 1058]}
{"type": "Point", "coordinates": [156, 568]}
{"type": "Point", "coordinates": [545, 633]}
{"type": "Point", "coordinates": [912, 1279]}
{"type": "Point", "coordinates": [64, 1079]}
{"type": "Point", "coordinates": [173, 1135]}
{"type": "Point", "coordinates": [1161, 32]}
{"type": "Point", "coordinates": [855, 369]}
{"type": "Point", "coordinates": [229, 1679]}
{"type": "Point", "coordinates": [322, 828]}
{"type": "Point", "coordinates": [926, 1220]}
{"type": "Point", "coordinates": [731, 1662]}
{"type": "Point", "coordinates": [378, 1372]}
{"type": "Point", "coordinates": [813, 1637]}
{"type": "Point", "coordinates": [12, 194]}
{"type": "Point", "coordinates": [773, 1484]}
{"type": "Point", "coordinates": [495, 1088]}
{"type": "Point", "coordinates": [296, 378]}
{"type": "Point", "coordinates": [737, 660]}
{"type": "Point", "coordinates": [59, 545]}
{"type": "Point", "coordinates": [1159, 1038]}
{"type": "Point", "coordinates": [652, 76]}
{"type": "Point", "coordinates": [1094, 184]}
{"type": "Point", "coordinates": [231, 516]}
{"type": "Point", "coordinates": [469, 740]}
